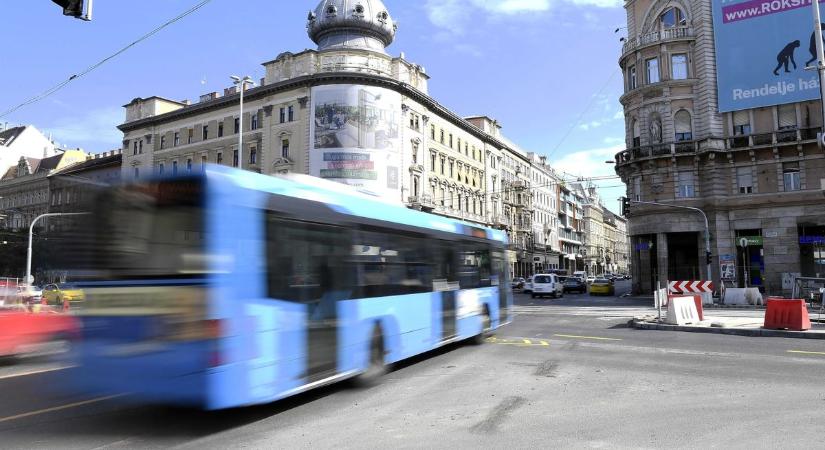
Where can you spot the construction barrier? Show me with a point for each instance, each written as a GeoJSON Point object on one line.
{"type": "Point", "coordinates": [690, 287]}
{"type": "Point", "coordinates": [697, 298]}
{"type": "Point", "coordinates": [743, 296]}
{"type": "Point", "coordinates": [682, 311]}
{"type": "Point", "coordinates": [787, 314]}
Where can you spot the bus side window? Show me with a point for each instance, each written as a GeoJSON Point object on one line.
{"type": "Point", "coordinates": [305, 260]}
{"type": "Point", "coordinates": [390, 263]}
{"type": "Point", "coordinates": [475, 265]}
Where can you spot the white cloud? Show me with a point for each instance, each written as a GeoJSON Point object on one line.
{"type": "Point", "coordinates": [453, 15]}
{"type": "Point", "coordinates": [95, 129]}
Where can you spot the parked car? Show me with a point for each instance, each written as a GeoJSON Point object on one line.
{"type": "Point", "coordinates": [547, 284]}
{"type": "Point", "coordinates": [517, 283]}
{"type": "Point", "coordinates": [602, 286]}
{"type": "Point", "coordinates": [528, 285]}
{"type": "Point", "coordinates": [590, 279]}
{"type": "Point", "coordinates": [55, 294]}
{"type": "Point", "coordinates": [29, 294]}
{"type": "Point", "coordinates": [627, 277]}
{"type": "Point", "coordinates": [575, 285]}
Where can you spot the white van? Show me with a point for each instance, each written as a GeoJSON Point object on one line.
{"type": "Point", "coordinates": [547, 284]}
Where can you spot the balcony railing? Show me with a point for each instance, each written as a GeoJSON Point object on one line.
{"type": "Point", "coordinates": [782, 137]}
{"type": "Point", "coordinates": [656, 36]}
{"type": "Point", "coordinates": [775, 138]}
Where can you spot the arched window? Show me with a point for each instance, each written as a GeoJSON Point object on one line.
{"type": "Point", "coordinates": [672, 17]}
{"type": "Point", "coordinates": [637, 134]}
{"type": "Point", "coordinates": [683, 126]}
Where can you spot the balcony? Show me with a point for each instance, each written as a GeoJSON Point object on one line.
{"type": "Point", "coordinates": [782, 137]}
{"type": "Point", "coordinates": [776, 138]}
{"type": "Point", "coordinates": [667, 34]}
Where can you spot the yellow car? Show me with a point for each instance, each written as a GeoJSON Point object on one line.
{"type": "Point", "coordinates": [55, 294]}
{"type": "Point", "coordinates": [602, 286]}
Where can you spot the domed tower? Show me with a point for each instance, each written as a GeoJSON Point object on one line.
{"type": "Point", "coordinates": [351, 24]}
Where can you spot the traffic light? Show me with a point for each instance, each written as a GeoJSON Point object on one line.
{"type": "Point", "coordinates": [79, 9]}
{"type": "Point", "coordinates": [625, 206]}
{"type": "Point", "coordinates": [709, 258]}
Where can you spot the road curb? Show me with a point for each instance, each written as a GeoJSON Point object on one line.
{"type": "Point", "coordinates": [758, 332]}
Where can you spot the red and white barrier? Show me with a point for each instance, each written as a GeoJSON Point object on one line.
{"type": "Point", "coordinates": [690, 287]}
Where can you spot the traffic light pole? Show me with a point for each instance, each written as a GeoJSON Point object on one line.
{"type": "Point", "coordinates": [707, 228]}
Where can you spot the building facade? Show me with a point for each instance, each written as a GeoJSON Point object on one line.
{"type": "Point", "coordinates": [757, 174]}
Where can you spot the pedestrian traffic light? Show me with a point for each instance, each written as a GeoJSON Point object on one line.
{"type": "Point", "coordinates": [79, 9]}
{"type": "Point", "coordinates": [625, 206]}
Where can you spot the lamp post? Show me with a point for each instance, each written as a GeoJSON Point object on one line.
{"type": "Point", "coordinates": [241, 83]}
{"type": "Point", "coordinates": [820, 52]}
{"type": "Point", "coordinates": [29, 279]}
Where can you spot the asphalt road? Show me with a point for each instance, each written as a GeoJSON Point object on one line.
{"type": "Point", "coordinates": [567, 373]}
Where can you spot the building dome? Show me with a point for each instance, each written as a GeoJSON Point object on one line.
{"type": "Point", "coordinates": [351, 24]}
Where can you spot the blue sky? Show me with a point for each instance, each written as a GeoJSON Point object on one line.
{"type": "Point", "coordinates": [534, 65]}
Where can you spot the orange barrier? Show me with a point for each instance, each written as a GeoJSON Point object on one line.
{"type": "Point", "coordinates": [787, 314]}
{"type": "Point", "coordinates": [697, 298]}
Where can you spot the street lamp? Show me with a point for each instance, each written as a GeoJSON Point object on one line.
{"type": "Point", "coordinates": [29, 279]}
{"type": "Point", "coordinates": [241, 83]}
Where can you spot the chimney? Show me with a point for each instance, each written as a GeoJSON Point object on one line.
{"type": "Point", "coordinates": [543, 160]}
{"type": "Point", "coordinates": [230, 91]}
{"type": "Point", "coordinates": [186, 102]}
{"type": "Point", "coordinates": [210, 96]}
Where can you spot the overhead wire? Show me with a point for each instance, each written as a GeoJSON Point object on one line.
{"type": "Point", "coordinates": [86, 71]}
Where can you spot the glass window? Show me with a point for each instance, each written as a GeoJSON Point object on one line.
{"type": "Point", "coordinates": [220, 129]}
{"type": "Point", "coordinates": [637, 134]}
{"type": "Point", "coordinates": [282, 115]}
{"type": "Point", "coordinates": [254, 124]}
{"type": "Point", "coordinates": [235, 158]}
{"type": "Point", "coordinates": [678, 66]}
{"type": "Point", "coordinates": [685, 185]}
{"type": "Point", "coordinates": [237, 125]}
{"type": "Point", "coordinates": [160, 169]}
{"type": "Point", "coordinates": [219, 158]}
{"type": "Point", "coordinates": [189, 164]}
{"type": "Point", "coordinates": [631, 78]}
{"type": "Point", "coordinates": [741, 123]}
{"type": "Point", "coordinates": [191, 136]}
{"type": "Point", "coordinates": [683, 126]}
{"type": "Point", "coordinates": [652, 66]}
{"type": "Point", "coordinates": [177, 139]}
{"type": "Point", "coordinates": [744, 179]}
{"type": "Point", "coordinates": [174, 167]}
{"type": "Point", "coordinates": [291, 112]}
{"type": "Point", "coordinates": [432, 162]}
{"type": "Point", "coordinates": [162, 142]}
{"type": "Point", "coordinates": [205, 133]}
{"type": "Point", "coordinates": [673, 17]}
{"type": "Point", "coordinates": [285, 148]}
{"type": "Point", "coordinates": [790, 174]}
{"type": "Point", "coordinates": [253, 155]}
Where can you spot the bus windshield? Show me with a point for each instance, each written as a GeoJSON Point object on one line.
{"type": "Point", "coordinates": [150, 230]}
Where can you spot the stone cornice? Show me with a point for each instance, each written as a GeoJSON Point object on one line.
{"type": "Point", "coordinates": [310, 81]}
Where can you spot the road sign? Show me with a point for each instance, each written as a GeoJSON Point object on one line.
{"type": "Point", "coordinates": [751, 241]}
{"type": "Point", "coordinates": [690, 287]}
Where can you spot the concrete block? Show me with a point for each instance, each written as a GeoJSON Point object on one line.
{"type": "Point", "coordinates": [682, 311]}
{"type": "Point", "coordinates": [743, 296]}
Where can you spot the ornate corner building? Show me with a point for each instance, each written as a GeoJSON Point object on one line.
{"type": "Point", "coordinates": [757, 173]}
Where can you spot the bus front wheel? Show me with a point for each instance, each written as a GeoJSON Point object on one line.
{"type": "Point", "coordinates": [377, 367]}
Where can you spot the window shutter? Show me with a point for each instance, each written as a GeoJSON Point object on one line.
{"type": "Point", "coordinates": [741, 118]}
{"type": "Point", "coordinates": [683, 122]}
{"type": "Point", "coordinates": [787, 116]}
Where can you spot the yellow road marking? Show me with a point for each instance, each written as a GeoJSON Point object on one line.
{"type": "Point", "coordinates": [586, 337]}
{"type": "Point", "coordinates": [545, 343]}
{"type": "Point", "coordinates": [519, 342]}
{"type": "Point", "coordinates": [33, 372]}
{"type": "Point", "coordinates": [806, 353]}
{"type": "Point", "coordinates": [527, 341]}
{"type": "Point", "coordinates": [58, 408]}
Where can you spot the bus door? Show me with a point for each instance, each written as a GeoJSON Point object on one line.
{"type": "Point", "coordinates": [305, 266]}
{"type": "Point", "coordinates": [445, 282]}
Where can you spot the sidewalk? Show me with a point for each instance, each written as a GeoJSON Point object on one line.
{"type": "Point", "coordinates": [741, 326]}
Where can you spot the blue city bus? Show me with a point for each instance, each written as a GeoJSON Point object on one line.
{"type": "Point", "coordinates": [230, 288]}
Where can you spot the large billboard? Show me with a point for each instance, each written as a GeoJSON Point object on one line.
{"type": "Point", "coordinates": [762, 49]}
{"type": "Point", "coordinates": [356, 137]}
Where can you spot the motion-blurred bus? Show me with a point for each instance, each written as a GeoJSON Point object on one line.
{"type": "Point", "coordinates": [231, 288]}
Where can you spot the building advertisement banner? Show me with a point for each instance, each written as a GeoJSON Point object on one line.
{"type": "Point", "coordinates": [356, 137]}
{"type": "Point", "coordinates": [762, 49]}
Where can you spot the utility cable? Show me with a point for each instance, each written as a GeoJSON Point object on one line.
{"type": "Point", "coordinates": [89, 69]}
